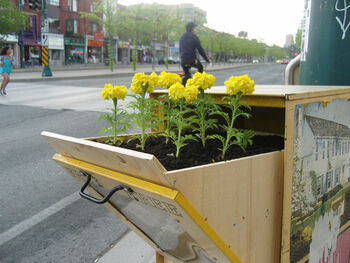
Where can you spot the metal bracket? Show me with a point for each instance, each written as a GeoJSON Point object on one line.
{"type": "Point", "coordinates": [107, 197]}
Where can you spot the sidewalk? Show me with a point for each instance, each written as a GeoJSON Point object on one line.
{"type": "Point", "coordinates": [129, 249]}
{"type": "Point", "coordinates": [71, 73]}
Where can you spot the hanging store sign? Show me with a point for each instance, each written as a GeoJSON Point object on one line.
{"type": "Point", "coordinates": [74, 41]}
{"type": "Point", "coordinates": [95, 43]}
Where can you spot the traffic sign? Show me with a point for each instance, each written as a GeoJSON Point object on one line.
{"type": "Point", "coordinates": [44, 26]}
{"type": "Point", "coordinates": [44, 40]}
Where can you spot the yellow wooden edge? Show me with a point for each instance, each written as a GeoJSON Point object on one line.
{"type": "Point", "coordinates": [187, 207]}
{"type": "Point", "coordinates": [257, 101]}
{"type": "Point", "coordinates": [156, 189]}
{"type": "Point", "coordinates": [122, 178]}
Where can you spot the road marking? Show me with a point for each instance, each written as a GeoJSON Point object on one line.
{"type": "Point", "coordinates": [38, 218]}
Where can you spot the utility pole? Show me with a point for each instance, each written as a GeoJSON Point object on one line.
{"type": "Point", "coordinates": [20, 3]}
{"type": "Point", "coordinates": [45, 42]}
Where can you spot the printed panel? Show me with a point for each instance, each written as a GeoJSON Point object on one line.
{"type": "Point", "coordinates": [320, 225]}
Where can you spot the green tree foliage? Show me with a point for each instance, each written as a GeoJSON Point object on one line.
{"type": "Point", "coordinates": [105, 13]}
{"type": "Point", "coordinates": [298, 38]}
{"type": "Point", "coordinates": [142, 23]}
{"type": "Point", "coordinates": [11, 19]}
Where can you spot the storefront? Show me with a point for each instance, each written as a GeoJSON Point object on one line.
{"type": "Point", "coordinates": [56, 49]}
{"type": "Point", "coordinates": [95, 51]}
{"type": "Point", "coordinates": [12, 42]}
{"type": "Point", "coordinates": [32, 52]}
{"type": "Point", "coordinates": [124, 52]}
{"type": "Point", "coordinates": [74, 50]}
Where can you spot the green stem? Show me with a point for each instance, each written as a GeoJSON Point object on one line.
{"type": "Point", "coordinates": [202, 115]}
{"type": "Point", "coordinates": [142, 111]}
{"type": "Point", "coordinates": [234, 106]}
{"type": "Point", "coordinates": [179, 129]}
{"type": "Point", "coordinates": [115, 102]}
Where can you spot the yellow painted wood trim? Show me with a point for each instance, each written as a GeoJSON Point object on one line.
{"type": "Point", "coordinates": [122, 178]}
{"type": "Point", "coordinates": [187, 207]}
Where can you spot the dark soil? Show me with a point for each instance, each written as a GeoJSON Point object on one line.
{"type": "Point", "coordinates": [194, 154]}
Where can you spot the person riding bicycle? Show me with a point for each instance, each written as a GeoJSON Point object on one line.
{"type": "Point", "coordinates": [189, 43]}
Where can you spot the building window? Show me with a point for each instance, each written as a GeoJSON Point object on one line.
{"type": "Point", "coordinates": [323, 149]}
{"type": "Point", "coordinates": [54, 25]}
{"type": "Point", "coordinates": [73, 5]}
{"type": "Point", "coordinates": [75, 27]}
{"type": "Point", "coordinates": [316, 154]}
{"type": "Point", "coordinates": [55, 54]}
{"type": "Point", "coordinates": [30, 22]}
{"type": "Point", "coordinates": [319, 185]}
{"type": "Point", "coordinates": [93, 27]}
{"type": "Point", "coordinates": [333, 148]}
{"type": "Point", "coordinates": [329, 177]}
{"type": "Point", "coordinates": [53, 2]}
{"type": "Point", "coordinates": [328, 146]}
{"type": "Point", "coordinates": [337, 176]}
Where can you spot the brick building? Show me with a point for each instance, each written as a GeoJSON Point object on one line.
{"type": "Point", "coordinates": [83, 42]}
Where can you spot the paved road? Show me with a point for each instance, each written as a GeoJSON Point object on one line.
{"type": "Point", "coordinates": [271, 74]}
{"type": "Point", "coordinates": [42, 218]}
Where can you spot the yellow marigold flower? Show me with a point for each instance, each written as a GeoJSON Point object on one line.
{"type": "Point", "coordinates": [135, 88]}
{"type": "Point", "coordinates": [239, 84]}
{"type": "Point", "coordinates": [209, 82]}
{"type": "Point", "coordinates": [118, 92]}
{"type": "Point", "coordinates": [167, 79]}
{"type": "Point", "coordinates": [106, 91]}
{"type": "Point", "coordinates": [202, 80]}
{"type": "Point", "coordinates": [177, 92]}
{"type": "Point", "coordinates": [140, 80]}
{"type": "Point", "coordinates": [152, 82]}
{"type": "Point", "coordinates": [191, 93]}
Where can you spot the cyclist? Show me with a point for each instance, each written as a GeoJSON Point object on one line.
{"type": "Point", "coordinates": [189, 43]}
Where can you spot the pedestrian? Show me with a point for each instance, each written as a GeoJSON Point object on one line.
{"type": "Point", "coordinates": [6, 68]}
{"type": "Point", "coordinates": [189, 43]}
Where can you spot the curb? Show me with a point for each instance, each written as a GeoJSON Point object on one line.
{"type": "Point", "coordinates": [116, 74]}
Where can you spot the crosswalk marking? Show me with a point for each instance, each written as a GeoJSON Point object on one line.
{"type": "Point", "coordinates": [57, 97]}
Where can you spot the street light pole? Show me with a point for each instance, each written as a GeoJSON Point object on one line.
{"type": "Point", "coordinates": [20, 3]}
{"type": "Point", "coordinates": [44, 43]}
{"type": "Point", "coordinates": [153, 53]}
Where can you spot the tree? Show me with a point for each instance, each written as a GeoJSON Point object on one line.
{"type": "Point", "coordinates": [136, 23]}
{"type": "Point", "coordinates": [11, 19]}
{"type": "Point", "coordinates": [105, 13]}
{"type": "Point", "coordinates": [298, 38]}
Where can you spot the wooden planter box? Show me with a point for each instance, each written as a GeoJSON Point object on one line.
{"type": "Point", "coordinates": [235, 211]}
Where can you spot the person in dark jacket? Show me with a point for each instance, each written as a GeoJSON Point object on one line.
{"type": "Point", "coordinates": [189, 43]}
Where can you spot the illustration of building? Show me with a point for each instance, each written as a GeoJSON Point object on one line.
{"type": "Point", "coordinates": [328, 152]}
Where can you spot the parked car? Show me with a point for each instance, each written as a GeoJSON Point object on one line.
{"type": "Point", "coordinates": [285, 61]}
{"type": "Point", "coordinates": [171, 60]}
{"type": "Point", "coordinates": [255, 61]}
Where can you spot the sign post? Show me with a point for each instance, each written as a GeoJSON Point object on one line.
{"type": "Point", "coordinates": [325, 56]}
{"type": "Point", "coordinates": [45, 43]}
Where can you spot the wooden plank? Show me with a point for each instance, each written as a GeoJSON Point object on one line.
{"type": "Point", "coordinates": [293, 92]}
{"type": "Point", "coordinates": [328, 96]}
{"type": "Point", "coordinates": [241, 200]}
{"type": "Point", "coordinates": [134, 163]}
{"type": "Point", "coordinates": [155, 210]}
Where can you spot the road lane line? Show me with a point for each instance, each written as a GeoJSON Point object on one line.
{"type": "Point", "coordinates": [38, 218]}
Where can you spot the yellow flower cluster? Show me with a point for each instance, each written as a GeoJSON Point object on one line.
{"type": "Point", "coordinates": [140, 80]}
{"type": "Point", "coordinates": [202, 80]}
{"type": "Point", "coordinates": [167, 79]}
{"type": "Point", "coordinates": [191, 93]}
{"type": "Point", "coordinates": [178, 91]}
{"type": "Point", "coordinates": [113, 92]}
{"type": "Point", "coordinates": [239, 84]}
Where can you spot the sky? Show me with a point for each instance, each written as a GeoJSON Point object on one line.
{"type": "Point", "coordinates": [266, 20]}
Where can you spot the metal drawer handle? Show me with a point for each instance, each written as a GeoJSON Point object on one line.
{"type": "Point", "coordinates": [106, 198]}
